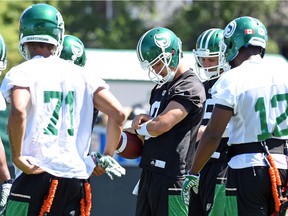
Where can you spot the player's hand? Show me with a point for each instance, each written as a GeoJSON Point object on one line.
{"type": "Point", "coordinates": [27, 165]}
{"type": "Point", "coordinates": [3, 197]}
{"type": "Point", "coordinates": [130, 130]}
{"type": "Point", "coordinates": [98, 171]}
{"type": "Point", "coordinates": [191, 181]}
{"type": "Point", "coordinates": [139, 119]}
{"type": "Point", "coordinates": [109, 164]}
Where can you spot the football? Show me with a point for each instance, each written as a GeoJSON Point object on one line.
{"type": "Point", "coordinates": [130, 146]}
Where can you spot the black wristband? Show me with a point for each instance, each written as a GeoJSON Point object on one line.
{"type": "Point", "coordinates": [9, 181]}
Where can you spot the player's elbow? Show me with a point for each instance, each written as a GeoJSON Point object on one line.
{"type": "Point", "coordinates": [18, 114]}
{"type": "Point", "coordinates": [119, 117]}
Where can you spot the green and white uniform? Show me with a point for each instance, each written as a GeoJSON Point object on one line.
{"type": "Point", "coordinates": [257, 94]}
{"type": "Point", "coordinates": [60, 115]}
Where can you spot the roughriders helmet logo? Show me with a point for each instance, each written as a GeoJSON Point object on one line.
{"type": "Point", "coordinates": [261, 31]}
{"type": "Point", "coordinates": [230, 29]}
{"type": "Point", "coordinates": [77, 50]}
{"type": "Point", "coordinates": [162, 40]}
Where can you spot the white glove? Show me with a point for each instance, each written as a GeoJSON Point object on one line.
{"type": "Point", "coordinates": [109, 164]}
{"type": "Point", "coordinates": [191, 181]}
{"type": "Point", "coordinates": [4, 196]}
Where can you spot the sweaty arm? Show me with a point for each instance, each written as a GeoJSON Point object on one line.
{"type": "Point", "coordinates": [20, 97]}
{"type": "Point", "coordinates": [211, 137]}
{"type": "Point", "coordinates": [172, 115]}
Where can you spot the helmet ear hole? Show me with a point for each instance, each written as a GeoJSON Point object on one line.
{"type": "Point", "coordinates": [230, 45]}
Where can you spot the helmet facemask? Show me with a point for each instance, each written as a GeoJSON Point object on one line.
{"type": "Point", "coordinates": [156, 77]}
{"type": "Point", "coordinates": [207, 46]}
{"type": "Point", "coordinates": [222, 59]}
{"type": "Point", "coordinates": [3, 65]}
{"type": "Point", "coordinates": [3, 54]}
{"type": "Point", "coordinates": [211, 72]}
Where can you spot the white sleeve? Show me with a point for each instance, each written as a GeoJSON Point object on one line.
{"type": "Point", "coordinates": [11, 79]}
{"type": "Point", "coordinates": [223, 92]}
{"type": "Point", "coordinates": [94, 81]}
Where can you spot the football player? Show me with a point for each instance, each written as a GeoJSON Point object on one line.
{"type": "Point", "coordinates": [5, 176]}
{"type": "Point", "coordinates": [74, 51]}
{"type": "Point", "coordinates": [170, 128]}
{"type": "Point", "coordinates": [252, 97]}
{"type": "Point", "coordinates": [213, 175]}
{"type": "Point", "coordinates": [49, 125]}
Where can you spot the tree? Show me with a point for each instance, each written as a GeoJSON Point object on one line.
{"type": "Point", "coordinates": [202, 15]}
{"type": "Point", "coordinates": [10, 12]}
{"type": "Point", "coordinates": [103, 24]}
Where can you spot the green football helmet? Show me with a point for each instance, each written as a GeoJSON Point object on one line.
{"type": "Point", "coordinates": [73, 50]}
{"type": "Point", "coordinates": [207, 46]}
{"type": "Point", "coordinates": [159, 44]}
{"type": "Point", "coordinates": [41, 23]}
{"type": "Point", "coordinates": [242, 32]}
{"type": "Point", "coordinates": [3, 54]}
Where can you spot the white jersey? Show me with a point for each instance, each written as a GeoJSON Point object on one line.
{"type": "Point", "coordinates": [258, 95]}
{"type": "Point", "coordinates": [2, 102]}
{"type": "Point", "coordinates": [59, 116]}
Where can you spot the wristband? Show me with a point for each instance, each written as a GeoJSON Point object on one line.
{"type": "Point", "coordinates": [10, 181]}
{"type": "Point", "coordinates": [142, 131]}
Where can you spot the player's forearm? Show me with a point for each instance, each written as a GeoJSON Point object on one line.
{"type": "Point", "coordinates": [16, 130]}
{"type": "Point", "coordinates": [113, 134]}
{"type": "Point", "coordinates": [4, 171]}
{"type": "Point", "coordinates": [200, 132]}
{"type": "Point", "coordinates": [207, 146]}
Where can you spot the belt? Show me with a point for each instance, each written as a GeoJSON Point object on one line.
{"type": "Point", "coordinates": [222, 152]}
{"type": "Point", "coordinates": [275, 146]}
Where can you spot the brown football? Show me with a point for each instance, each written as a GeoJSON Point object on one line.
{"type": "Point", "coordinates": [130, 146]}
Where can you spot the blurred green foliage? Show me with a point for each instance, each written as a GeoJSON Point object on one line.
{"type": "Point", "coordinates": [202, 15]}
{"type": "Point", "coordinates": [119, 24]}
